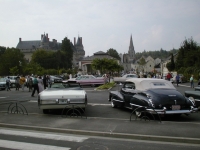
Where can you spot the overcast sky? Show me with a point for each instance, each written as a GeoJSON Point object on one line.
{"type": "Point", "coordinates": [102, 24]}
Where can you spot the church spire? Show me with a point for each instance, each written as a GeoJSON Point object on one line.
{"type": "Point", "coordinates": [131, 43]}
{"type": "Point", "coordinates": [131, 51]}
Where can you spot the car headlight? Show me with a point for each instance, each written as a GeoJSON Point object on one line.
{"type": "Point", "coordinates": [192, 100]}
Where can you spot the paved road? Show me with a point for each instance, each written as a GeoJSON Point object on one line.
{"type": "Point", "coordinates": [102, 120]}
{"type": "Point", "coordinates": [29, 140]}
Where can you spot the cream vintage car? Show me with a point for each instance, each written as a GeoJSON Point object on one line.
{"type": "Point", "coordinates": [62, 95]}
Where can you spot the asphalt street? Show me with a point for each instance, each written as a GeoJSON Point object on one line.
{"type": "Point", "coordinates": [99, 119]}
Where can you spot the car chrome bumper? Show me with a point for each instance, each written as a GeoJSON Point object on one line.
{"type": "Point", "coordinates": [164, 111]}
{"type": "Point", "coordinates": [62, 106]}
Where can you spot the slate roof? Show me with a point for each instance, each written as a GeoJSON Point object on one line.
{"type": "Point", "coordinates": [24, 45]}
{"type": "Point", "coordinates": [28, 44]}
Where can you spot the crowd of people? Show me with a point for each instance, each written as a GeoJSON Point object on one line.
{"type": "Point", "coordinates": [34, 83]}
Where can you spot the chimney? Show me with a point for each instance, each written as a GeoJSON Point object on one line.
{"type": "Point", "coordinates": [47, 35]}
{"type": "Point", "coordinates": [81, 40]}
{"type": "Point", "coordinates": [20, 39]}
{"type": "Point", "coordinates": [74, 41]}
{"type": "Point", "coordinates": [41, 36]}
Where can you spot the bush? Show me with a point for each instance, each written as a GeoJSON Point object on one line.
{"type": "Point", "coordinates": [106, 86]}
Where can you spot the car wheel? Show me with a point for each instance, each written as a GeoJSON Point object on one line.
{"type": "Point", "coordinates": [45, 111]}
{"type": "Point", "coordinates": [112, 103]}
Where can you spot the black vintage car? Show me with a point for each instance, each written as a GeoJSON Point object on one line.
{"type": "Point", "coordinates": [194, 95]}
{"type": "Point", "coordinates": [156, 96]}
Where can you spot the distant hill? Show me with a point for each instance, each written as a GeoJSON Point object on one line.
{"type": "Point", "coordinates": [162, 54]}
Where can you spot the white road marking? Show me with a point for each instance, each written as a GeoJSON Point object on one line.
{"type": "Point", "coordinates": [43, 135]}
{"type": "Point", "coordinates": [29, 146]}
{"type": "Point", "coordinates": [2, 97]}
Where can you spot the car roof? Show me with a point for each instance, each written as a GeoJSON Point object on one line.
{"type": "Point", "coordinates": [151, 83]}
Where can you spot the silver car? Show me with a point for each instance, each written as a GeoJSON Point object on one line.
{"type": "Point", "coordinates": [2, 83]}
{"type": "Point", "coordinates": [62, 95]}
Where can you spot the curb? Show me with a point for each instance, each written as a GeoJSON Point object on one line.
{"type": "Point", "coordinates": [107, 134]}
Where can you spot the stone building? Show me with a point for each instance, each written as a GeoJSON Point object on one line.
{"type": "Point", "coordinates": [28, 47]}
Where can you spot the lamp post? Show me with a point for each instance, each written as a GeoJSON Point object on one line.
{"type": "Point", "coordinates": [20, 64]}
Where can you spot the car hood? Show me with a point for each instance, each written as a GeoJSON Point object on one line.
{"type": "Point", "coordinates": [62, 94]}
{"type": "Point", "coordinates": [167, 97]}
{"type": "Point", "coordinates": [2, 82]}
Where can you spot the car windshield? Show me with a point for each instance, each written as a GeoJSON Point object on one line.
{"type": "Point", "coordinates": [65, 85]}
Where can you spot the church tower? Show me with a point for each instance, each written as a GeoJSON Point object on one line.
{"type": "Point", "coordinates": [131, 51]}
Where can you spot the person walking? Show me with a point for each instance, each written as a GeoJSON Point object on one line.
{"type": "Point", "coordinates": [22, 81]}
{"type": "Point", "coordinates": [30, 84]}
{"type": "Point", "coordinates": [35, 86]}
{"type": "Point", "coordinates": [169, 76]}
{"type": "Point", "coordinates": [192, 81]}
{"type": "Point", "coordinates": [45, 81]}
{"type": "Point", "coordinates": [17, 79]}
{"type": "Point", "coordinates": [8, 83]}
{"type": "Point", "coordinates": [177, 79]}
{"type": "Point", "coordinates": [40, 84]}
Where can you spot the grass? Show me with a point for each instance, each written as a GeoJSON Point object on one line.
{"type": "Point", "coordinates": [106, 86]}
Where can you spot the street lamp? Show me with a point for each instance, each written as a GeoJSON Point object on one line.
{"type": "Point", "coordinates": [20, 64]}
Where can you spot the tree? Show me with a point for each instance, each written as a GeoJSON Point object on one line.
{"type": "Point", "coordinates": [142, 64]}
{"type": "Point", "coordinates": [112, 52]}
{"type": "Point", "coordinates": [171, 65]}
{"type": "Point", "coordinates": [10, 59]}
{"type": "Point", "coordinates": [67, 49]}
{"type": "Point", "coordinates": [106, 65]}
{"type": "Point", "coordinates": [188, 54]}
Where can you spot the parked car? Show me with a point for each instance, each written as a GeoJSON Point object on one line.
{"type": "Point", "coordinates": [53, 78]}
{"type": "Point", "coordinates": [124, 78]}
{"type": "Point", "coordinates": [2, 83]}
{"type": "Point", "coordinates": [60, 95]}
{"type": "Point", "coordinates": [181, 80]}
{"type": "Point", "coordinates": [156, 96]}
{"type": "Point", "coordinates": [12, 80]}
{"type": "Point", "coordinates": [89, 80]}
{"type": "Point", "coordinates": [194, 95]}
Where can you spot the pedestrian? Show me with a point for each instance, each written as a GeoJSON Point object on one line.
{"type": "Point", "coordinates": [8, 83]}
{"type": "Point", "coordinates": [35, 86]}
{"type": "Point", "coordinates": [22, 81]}
{"type": "Point", "coordinates": [45, 81]}
{"type": "Point", "coordinates": [40, 84]}
{"type": "Point", "coordinates": [177, 79]}
{"type": "Point", "coordinates": [169, 76]}
{"type": "Point", "coordinates": [30, 84]}
{"type": "Point", "coordinates": [192, 81]}
{"type": "Point", "coordinates": [17, 85]}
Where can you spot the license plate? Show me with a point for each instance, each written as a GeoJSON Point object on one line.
{"type": "Point", "coordinates": [62, 101]}
{"type": "Point", "coordinates": [176, 107]}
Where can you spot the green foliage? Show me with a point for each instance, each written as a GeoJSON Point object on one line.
{"type": "Point", "coordinates": [9, 59]}
{"type": "Point", "coordinates": [106, 65]}
{"type": "Point", "coordinates": [112, 52]}
{"type": "Point", "coordinates": [106, 86]}
{"type": "Point", "coordinates": [67, 49]}
{"type": "Point", "coordinates": [14, 70]}
{"type": "Point", "coordinates": [142, 63]}
{"type": "Point", "coordinates": [171, 65]}
{"type": "Point", "coordinates": [162, 54]}
{"type": "Point", "coordinates": [188, 59]}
